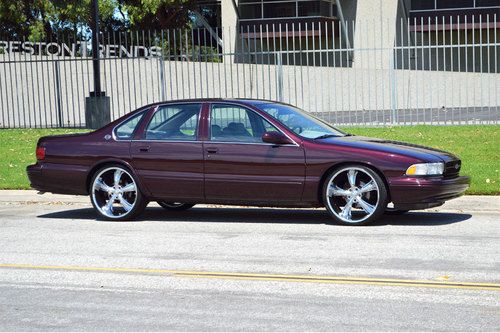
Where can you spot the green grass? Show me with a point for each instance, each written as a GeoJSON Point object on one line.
{"type": "Point", "coordinates": [17, 150]}
{"type": "Point", "coordinates": [477, 146]}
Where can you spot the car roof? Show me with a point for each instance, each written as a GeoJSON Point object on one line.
{"type": "Point", "coordinates": [226, 100]}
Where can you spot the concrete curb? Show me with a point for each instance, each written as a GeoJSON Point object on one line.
{"type": "Point", "coordinates": [469, 203]}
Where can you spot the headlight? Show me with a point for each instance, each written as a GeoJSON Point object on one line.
{"type": "Point", "coordinates": [424, 169]}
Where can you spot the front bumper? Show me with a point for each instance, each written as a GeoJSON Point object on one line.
{"type": "Point", "coordinates": [425, 192]}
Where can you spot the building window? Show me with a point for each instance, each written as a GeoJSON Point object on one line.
{"type": "Point", "coordinates": [283, 9]}
{"type": "Point", "coordinates": [269, 9]}
{"type": "Point", "coordinates": [422, 4]}
{"type": "Point", "coordinates": [452, 4]}
{"type": "Point", "coordinates": [487, 3]}
{"type": "Point", "coordinates": [445, 4]}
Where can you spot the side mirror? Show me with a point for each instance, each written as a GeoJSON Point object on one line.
{"type": "Point", "coordinates": [276, 138]}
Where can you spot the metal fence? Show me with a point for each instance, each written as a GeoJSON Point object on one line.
{"type": "Point", "coordinates": [404, 72]}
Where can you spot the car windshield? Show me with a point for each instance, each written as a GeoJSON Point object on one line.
{"type": "Point", "coordinates": [300, 122]}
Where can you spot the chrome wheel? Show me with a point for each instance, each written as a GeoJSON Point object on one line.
{"type": "Point", "coordinates": [354, 194]}
{"type": "Point", "coordinates": [114, 192]}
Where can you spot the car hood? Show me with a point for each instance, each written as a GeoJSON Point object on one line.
{"type": "Point", "coordinates": [394, 147]}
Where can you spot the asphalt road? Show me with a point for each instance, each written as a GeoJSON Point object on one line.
{"type": "Point", "coordinates": [61, 269]}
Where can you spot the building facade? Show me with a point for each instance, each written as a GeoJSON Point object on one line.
{"type": "Point", "coordinates": [394, 26]}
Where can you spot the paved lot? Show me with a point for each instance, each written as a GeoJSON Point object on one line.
{"type": "Point", "coordinates": [61, 269]}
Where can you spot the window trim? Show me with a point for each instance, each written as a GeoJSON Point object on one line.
{"type": "Point", "coordinates": [158, 108]}
{"type": "Point", "coordinates": [209, 122]}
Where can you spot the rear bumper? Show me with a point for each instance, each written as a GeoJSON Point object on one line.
{"type": "Point", "coordinates": [55, 178]}
{"type": "Point", "coordinates": [425, 192]}
{"type": "Point", "coordinates": [35, 177]}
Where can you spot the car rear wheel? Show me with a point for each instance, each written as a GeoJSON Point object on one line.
{"type": "Point", "coordinates": [354, 195]}
{"type": "Point", "coordinates": [175, 205]}
{"type": "Point", "coordinates": [115, 195]}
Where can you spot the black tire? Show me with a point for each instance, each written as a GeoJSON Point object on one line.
{"type": "Point", "coordinates": [175, 206]}
{"type": "Point", "coordinates": [377, 202]}
{"type": "Point", "coordinates": [97, 197]}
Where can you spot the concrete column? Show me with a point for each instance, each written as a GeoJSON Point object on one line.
{"type": "Point", "coordinates": [375, 28]}
{"type": "Point", "coordinates": [229, 25]}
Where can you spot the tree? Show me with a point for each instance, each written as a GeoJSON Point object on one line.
{"type": "Point", "coordinates": [46, 19]}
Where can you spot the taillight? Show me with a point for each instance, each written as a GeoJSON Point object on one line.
{"type": "Point", "coordinates": [40, 153]}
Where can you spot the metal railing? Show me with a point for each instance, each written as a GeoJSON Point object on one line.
{"type": "Point", "coordinates": [403, 72]}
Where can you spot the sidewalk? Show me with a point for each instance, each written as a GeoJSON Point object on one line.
{"type": "Point", "coordinates": [468, 203]}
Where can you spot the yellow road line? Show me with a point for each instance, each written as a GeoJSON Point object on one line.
{"type": "Point", "coordinates": [272, 277]}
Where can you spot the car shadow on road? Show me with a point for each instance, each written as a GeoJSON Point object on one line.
{"type": "Point", "coordinates": [264, 215]}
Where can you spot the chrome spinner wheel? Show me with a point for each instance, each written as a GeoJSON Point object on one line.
{"type": "Point", "coordinates": [114, 193]}
{"type": "Point", "coordinates": [355, 195]}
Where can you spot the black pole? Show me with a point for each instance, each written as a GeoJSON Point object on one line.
{"type": "Point", "coordinates": [95, 48]}
{"type": "Point", "coordinates": [97, 105]}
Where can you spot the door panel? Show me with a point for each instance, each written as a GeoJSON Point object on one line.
{"type": "Point", "coordinates": [254, 172]}
{"type": "Point", "coordinates": [170, 169]}
{"type": "Point", "coordinates": [240, 167]}
{"type": "Point", "coordinates": [168, 158]}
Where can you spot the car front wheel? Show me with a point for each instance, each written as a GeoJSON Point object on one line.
{"type": "Point", "coordinates": [175, 205]}
{"type": "Point", "coordinates": [115, 195]}
{"type": "Point", "coordinates": [354, 195]}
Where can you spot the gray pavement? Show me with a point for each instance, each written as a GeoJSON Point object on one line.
{"type": "Point", "coordinates": [61, 269]}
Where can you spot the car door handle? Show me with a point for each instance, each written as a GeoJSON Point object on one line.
{"type": "Point", "coordinates": [212, 150]}
{"type": "Point", "coordinates": [144, 149]}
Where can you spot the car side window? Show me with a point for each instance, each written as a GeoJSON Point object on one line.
{"type": "Point", "coordinates": [233, 123]}
{"type": "Point", "coordinates": [127, 128]}
{"type": "Point", "coordinates": [174, 122]}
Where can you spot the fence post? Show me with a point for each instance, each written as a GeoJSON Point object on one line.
{"type": "Point", "coordinates": [393, 88]}
{"type": "Point", "coordinates": [279, 76]}
{"type": "Point", "coordinates": [57, 74]}
{"type": "Point", "coordinates": [161, 64]}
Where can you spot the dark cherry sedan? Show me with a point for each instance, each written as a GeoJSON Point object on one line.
{"type": "Point", "coordinates": [245, 152]}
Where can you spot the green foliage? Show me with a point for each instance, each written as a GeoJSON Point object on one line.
{"type": "Point", "coordinates": [45, 19]}
{"type": "Point", "coordinates": [178, 49]}
{"type": "Point", "coordinates": [36, 20]}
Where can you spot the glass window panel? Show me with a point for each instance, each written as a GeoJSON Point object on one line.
{"type": "Point", "coordinates": [309, 8]}
{"type": "Point", "coordinates": [232, 123]}
{"type": "Point", "coordinates": [176, 122]}
{"type": "Point", "coordinates": [325, 8]}
{"type": "Point", "coordinates": [298, 121]}
{"type": "Point", "coordinates": [284, 9]}
{"type": "Point", "coordinates": [126, 130]}
{"type": "Point", "coordinates": [422, 4]}
{"type": "Point", "coordinates": [442, 4]}
{"type": "Point", "coordinates": [488, 3]}
{"type": "Point", "coordinates": [250, 11]}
